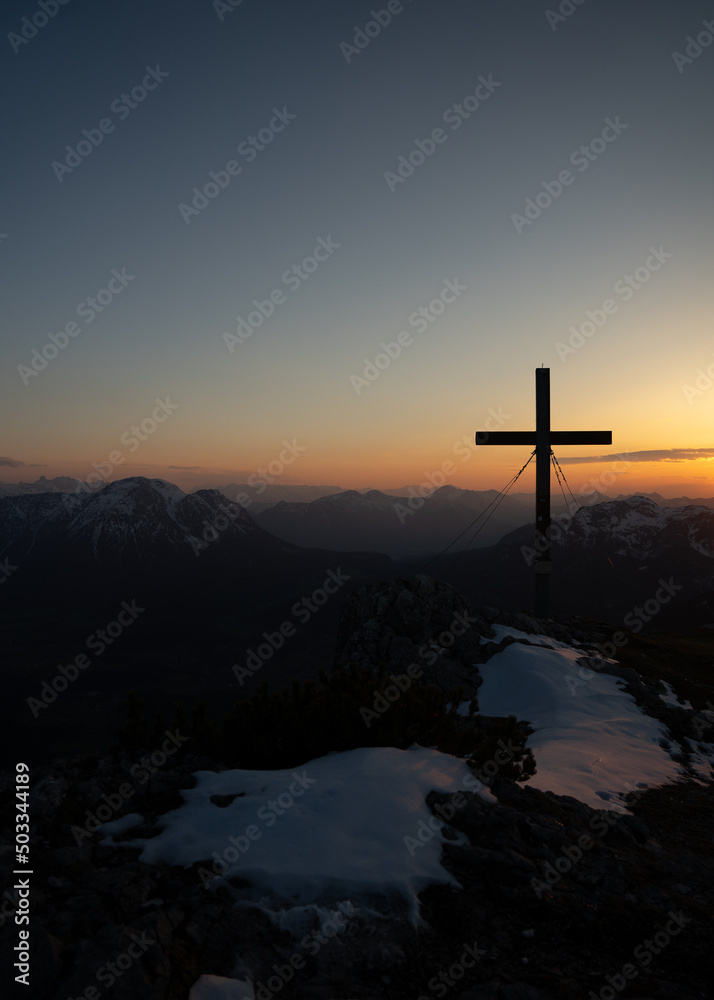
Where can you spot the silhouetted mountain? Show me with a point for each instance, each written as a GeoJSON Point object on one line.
{"type": "Point", "coordinates": [145, 535]}
{"type": "Point", "coordinates": [609, 560]}
{"type": "Point", "coordinates": [60, 484]}
{"type": "Point", "coordinates": [670, 501]}
{"type": "Point", "coordinates": [262, 495]}
{"type": "Point", "coordinates": [209, 585]}
{"type": "Point", "coordinates": [398, 525]}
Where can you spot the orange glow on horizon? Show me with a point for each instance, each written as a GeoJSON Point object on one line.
{"type": "Point", "coordinates": [694, 478]}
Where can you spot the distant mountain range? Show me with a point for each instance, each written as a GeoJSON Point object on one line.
{"type": "Point", "coordinates": [272, 493]}
{"type": "Point", "coordinates": [259, 496]}
{"type": "Point", "coordinates": [146, 534]}
{"type": "Point", "coordinates": [217, 585]}
{"type": "Point", "coordinates": [207, 574]}
{"type": "Point", "coordinates": [402, 524]}
{"type": "Point", "coordinates": [608, 561]}
{"type": "Point", "coordinates": [61, 484]}
{"type": "Point", "coordinates": [164, 592]}
{"type": "Point", "coordinates": [398, 525]}
{"type": "Point", "coordinates": [406, 527]}
{"type": "Point", "coordinates": [141, 537]}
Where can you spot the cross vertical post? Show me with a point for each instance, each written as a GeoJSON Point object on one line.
{"type": "Point", "coordinates": [542, 526]}
{"type": "Point", "coordinates": [543, 438]}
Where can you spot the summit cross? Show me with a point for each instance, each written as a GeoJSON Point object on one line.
{"type": "Point", "coordinates": [543, 438]}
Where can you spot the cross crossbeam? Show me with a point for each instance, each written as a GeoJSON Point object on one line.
{"type": "Point", "coordinates": [556, 437]}
{"type": "Point", "coordinates": [543, 438]}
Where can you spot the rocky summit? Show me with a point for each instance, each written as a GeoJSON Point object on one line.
{"type": "Point", "coordinates": [539, 895]}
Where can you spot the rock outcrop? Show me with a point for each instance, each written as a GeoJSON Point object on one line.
{"type": "Point", "coordinates": [554, 899]}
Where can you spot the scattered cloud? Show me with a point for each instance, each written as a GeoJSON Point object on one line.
{"type": "Point", "coordinates": [185, 468]}
{"type": "Point", "coordinates": [660, 455]}
{"type": "Point", "coordinates": [15, 463]}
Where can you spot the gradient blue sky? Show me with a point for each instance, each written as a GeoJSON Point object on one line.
{"type": "Point", "coordinates": [324, 176]}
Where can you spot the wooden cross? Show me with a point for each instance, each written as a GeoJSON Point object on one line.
{"type": "Point", "coordinates": [543, 437]}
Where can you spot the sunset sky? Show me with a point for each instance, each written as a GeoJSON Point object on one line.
{"type": "Point", "coordinates": [482, 104]}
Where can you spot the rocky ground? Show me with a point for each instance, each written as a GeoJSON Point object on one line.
{"type": "Point", "coordinates": [556, 900]}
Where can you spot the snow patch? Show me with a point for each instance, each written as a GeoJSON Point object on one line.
{"type": "Point", "coordinates": [670, 698]}
{"type": "Point", "coordinates": [344, 827]}
{"type": "Point", "coordinates": [590, 739]}
{"type": "Point", "coordinates": [506, 631]}
{"type": "Point", "coordinates": [220, 988]}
